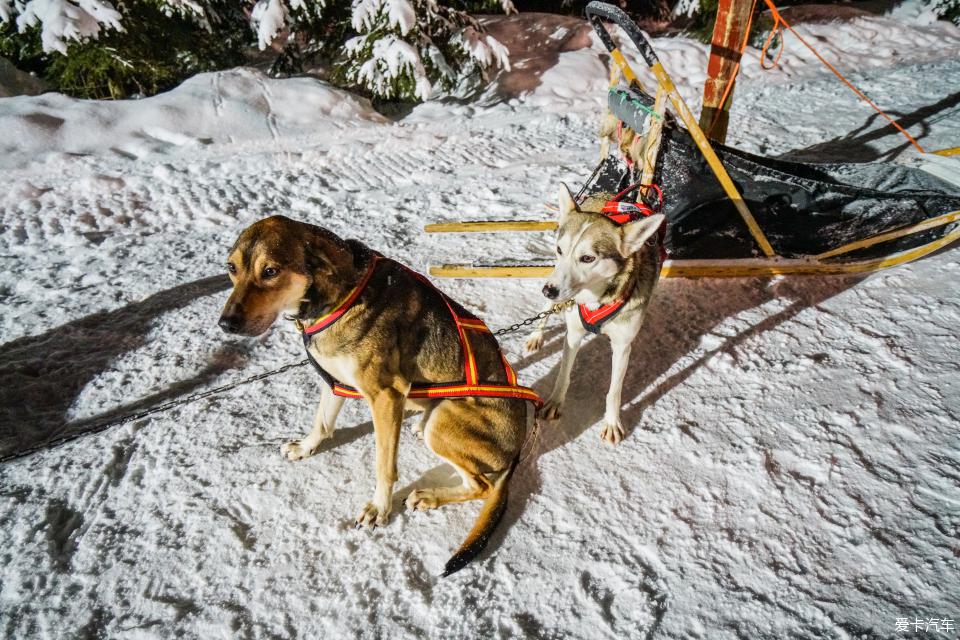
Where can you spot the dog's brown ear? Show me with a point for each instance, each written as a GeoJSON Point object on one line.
{"type": "Point", "coordinates": [324, 252]}
{"type": "Point", "coordinates": [634, 234]}
{"type": "Point", "coordinates": [565, 204]}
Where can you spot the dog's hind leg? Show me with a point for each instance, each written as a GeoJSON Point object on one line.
{"type": "Point", "coordinates": [482, 441]}
{"type": "Point", "coordinates": [478, 444]}
{"type": "Point", "coordinates": [476, 486]}
{"type": "Point", "coordinates": [323, 424]}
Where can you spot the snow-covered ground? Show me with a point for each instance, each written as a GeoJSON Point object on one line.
{"type": "Point", "coordinates": [792, 463]}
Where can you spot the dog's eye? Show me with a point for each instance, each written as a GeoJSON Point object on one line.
{"type": "Point", "coordinates": [559, 251]}
{"type": "Point", "coordinates": [232, 268]}
{"type": "Point", "coordinates": [269, 272]}
{"type": "Point", "coordinates": [587, 259]}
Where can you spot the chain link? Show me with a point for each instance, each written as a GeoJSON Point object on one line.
{"type": "Point", "coordinates": [557, 308]}
{"type": "Point", "coordinates": [160, 408]}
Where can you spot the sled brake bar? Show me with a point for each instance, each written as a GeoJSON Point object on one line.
{"type": "Point", "coordinates": [596, 12]}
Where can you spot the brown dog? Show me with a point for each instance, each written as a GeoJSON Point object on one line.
{"type": "Point", "coordinates": [399, 334]}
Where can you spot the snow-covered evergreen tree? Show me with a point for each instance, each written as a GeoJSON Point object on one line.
{"type": "Point", "coordinates": [391, 49]}
{"type": "Point", "coordinates": [943, 10]}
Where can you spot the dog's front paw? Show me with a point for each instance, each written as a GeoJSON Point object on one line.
{"type": "Point", "coordinates": [533, 343]}
{"type": "Point", "coordinates": [551, 409]}
{"type": "Point", "coordinates": [295, 450]}
{"type": "Point", "coordinates": [372, 516]}
{"type": "Point", "coordinates": [422, 500]}
{"type": "Point", "coordinates": [612, 432]}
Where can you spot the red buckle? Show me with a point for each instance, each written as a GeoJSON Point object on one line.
{"type": "Point", "coordinates": [624, 212]}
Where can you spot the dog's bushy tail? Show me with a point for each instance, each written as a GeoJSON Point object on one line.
{"type": "Point", "coordinates": [490, 515]}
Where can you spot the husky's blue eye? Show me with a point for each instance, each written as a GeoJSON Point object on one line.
{"type": "Point", "coordinates": [587, 259]}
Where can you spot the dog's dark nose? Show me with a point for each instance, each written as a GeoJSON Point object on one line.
{"type": "Point", "coordinates": [230, 324]}
{"type": "Point", "coordinates": [551, 291]}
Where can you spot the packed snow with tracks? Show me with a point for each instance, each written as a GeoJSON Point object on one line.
{"type": "Point", "coordinates": [791, 467]}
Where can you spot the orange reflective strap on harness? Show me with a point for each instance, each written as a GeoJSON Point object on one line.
{"type": "Point", "coordinates": [470, 374]}
{"type": "Point", "coordinates": [474, 324]}
{"type": "Point", "coordinates": [474, 391]}
{"type": "Point", "coordinates": [511, 374]}
{"type": "Point", "coordinates": [471, 386]}
{"type": "Point", "coordinates": [344, 391]}
{"type": "Point", "coordinates": [325, 321]}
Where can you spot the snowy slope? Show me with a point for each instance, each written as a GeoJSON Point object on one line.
{"type": "Point", "coordinates": [791, 469]}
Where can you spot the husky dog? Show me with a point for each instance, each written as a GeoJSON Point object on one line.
{"type": "Point", "coordinates": [610, 271]}
{"type": "Point", "coordinates": [385, 332]}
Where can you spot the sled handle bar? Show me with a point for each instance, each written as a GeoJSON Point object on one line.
{"type": "Point", "coordinates": [597, 11]}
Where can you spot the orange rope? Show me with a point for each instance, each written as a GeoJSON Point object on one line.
{"type": "Point", "coordinates": [778, 25]}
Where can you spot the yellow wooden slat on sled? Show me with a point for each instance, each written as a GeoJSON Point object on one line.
{"type": "Point", "coordinates": [743, 268]}
{"type": "Point", "coordinates": [947, 152]}
{"type": "Point", "coordinates": [891, 235]}
{"type": "Point", "coordinates": [483, 226]}
{"type": "Point", "coordinates": [460, 270]}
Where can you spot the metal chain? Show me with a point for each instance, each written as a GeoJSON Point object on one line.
{"type": "Point", "coordinates": [557, 308]}
{"type": "Point", "coordinates": [132, 417]}
{"type": "Point", "coordinates": [160, 408]}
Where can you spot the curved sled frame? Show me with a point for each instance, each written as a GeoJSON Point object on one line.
{"type": "Point", "coordinates": [596, 12]}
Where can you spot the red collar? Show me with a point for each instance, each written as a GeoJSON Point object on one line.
{"type": "Point", "coordinates": [325, 321]}
{"type": "Point", "coordinates": [592, 321]}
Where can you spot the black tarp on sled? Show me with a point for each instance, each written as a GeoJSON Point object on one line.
{"type": "Point", "coordinates": [804, 209]}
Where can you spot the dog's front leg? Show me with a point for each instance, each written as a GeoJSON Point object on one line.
{"type": "Point", "coordinates": [535, 339]}
{"type": "Point", "coordinates": [571, 346]}
{"type": "Point", "coordinates": [612, 429]}
{"type": "Point", "coordinates": [323, 424]}
{"type": "Point", "coordinates": [387, 408]}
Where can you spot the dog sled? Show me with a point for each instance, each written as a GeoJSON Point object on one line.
{"type": "Point", "coordinates": [731, 213]}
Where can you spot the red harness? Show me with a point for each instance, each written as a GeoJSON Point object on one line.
{"type": "Point", "coordinates": [470, 386]}
{"type": "Point", "coordinates": [620, 213]}
{"type": "Point", "coordinates": [593, 320]}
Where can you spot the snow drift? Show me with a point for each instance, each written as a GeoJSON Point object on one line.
{"type": "Point", "coordinates": [222, 107]}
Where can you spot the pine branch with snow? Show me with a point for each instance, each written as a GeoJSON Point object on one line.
{"type": "Point", "coordinates": [61, 21]}
{"type": "Point", "coordinates": [152, 46]}
{"type": "Point", "coordinates": [943, 10]}
{"type": "Point", "coordinates": [389, 49]}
